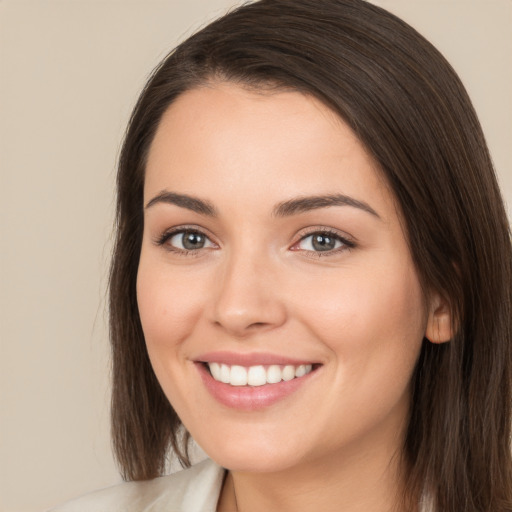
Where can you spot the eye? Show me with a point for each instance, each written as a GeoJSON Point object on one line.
{"type": "Point", "coordinates": [323, 241]}
{"type": "Point", "coordinates": [185, 240]}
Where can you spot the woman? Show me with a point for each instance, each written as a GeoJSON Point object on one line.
{"type": "Point", "coordinates": [312, 275]}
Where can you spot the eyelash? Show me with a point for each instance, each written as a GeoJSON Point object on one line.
{"type": "Point", "coordinates": [347, 244]}
{"type": "Point", "coordinates": [167, 235]}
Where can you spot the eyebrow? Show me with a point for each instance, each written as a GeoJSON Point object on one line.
{"type": "Point", "coordinates": [307, 203]}
{"type": "Point", "coordinates": [185, 201]}
{"type": "Point", "coordinates": [283, 209]}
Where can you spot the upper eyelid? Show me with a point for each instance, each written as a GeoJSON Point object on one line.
{"type": "Point", "coordinates": [325, 229]}
{"type": "Point", "coordinates": [182, 229]}
{"type": "Point", "coordinates": [347, 242]}
{"type": "Point", "coordinates": [163, 239]}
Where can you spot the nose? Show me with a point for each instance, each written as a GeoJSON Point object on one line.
{"type": "Point", "coordinates": [248, 297]}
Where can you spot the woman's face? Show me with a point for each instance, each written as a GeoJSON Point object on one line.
{"type": "Point", "coordinates": [273, 251]}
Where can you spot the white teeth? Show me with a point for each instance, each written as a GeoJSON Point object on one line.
{"type": "Point", "coordinates": [300, 371]}
{"type": "Point", "coordinates": [303, 369]}
{"type": "Point", "coordinates": [274, 374]}
{"type": "Point", "coordinates": [288, 372]}
{"type": "Point", "coordinates": [257, 375]}
{"type": "Point", "coordinates": [215, 369]}
{"type": "Point", "coordinates": [238, 376]}
{"type": "Point", "coordinates": [225, 373]}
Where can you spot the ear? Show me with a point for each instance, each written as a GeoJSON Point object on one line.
{"type": "Point", "coordinates": [439, 323]}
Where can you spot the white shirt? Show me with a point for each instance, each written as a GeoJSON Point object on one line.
{"type": "Point", "coordinates": [195, 489]}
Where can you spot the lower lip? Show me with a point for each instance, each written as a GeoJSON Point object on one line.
{"type": "Point", "coordinates": [251, 398]}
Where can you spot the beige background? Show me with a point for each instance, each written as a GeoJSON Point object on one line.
{"type": "Point", "coordinates": [70, 71]}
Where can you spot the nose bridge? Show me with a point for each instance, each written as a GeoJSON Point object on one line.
{"type": "Point", "coordinates": [248, 296]}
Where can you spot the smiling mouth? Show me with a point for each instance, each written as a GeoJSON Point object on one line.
{"type": "Point", "coordinates": [259, 375]}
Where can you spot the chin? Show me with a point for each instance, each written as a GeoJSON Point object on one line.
{"type": "Point", "coordinates": [251, 464]}
{"type": "Point", "coordinates": [253, 457]}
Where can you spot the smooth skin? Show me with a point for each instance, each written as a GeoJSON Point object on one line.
{"type": "Point", "coordinates": [256, 282]}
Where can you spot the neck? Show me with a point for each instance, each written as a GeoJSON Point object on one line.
{"type": "Point", "coordinates": [357, 484]}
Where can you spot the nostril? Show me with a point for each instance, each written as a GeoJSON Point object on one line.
{"type": "Point", "coordinates": [257, 324]}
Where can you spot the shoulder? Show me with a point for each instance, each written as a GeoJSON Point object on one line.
{"type": "Point", "coordinates": [189, 490]}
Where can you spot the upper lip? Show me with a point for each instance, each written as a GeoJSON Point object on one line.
{"type": "Point", "coordinates": [252, 359]}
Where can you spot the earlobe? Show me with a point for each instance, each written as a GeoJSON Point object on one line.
{"type": "Point", "coordinates": [439, 323]}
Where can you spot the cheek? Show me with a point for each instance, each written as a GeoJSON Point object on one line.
{"type": "Point", "coordinates": [169, 309]}
{"type": "Point", "coordinates": [367, 302]}
{"type": "Point", "coordinates": [373, 327]}
{"type": "Point", "coordinates": [169, 306]}
{"type": "Point", "coordinates": [373, 324]}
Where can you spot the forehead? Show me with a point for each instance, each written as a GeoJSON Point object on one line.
{"type": "Point", "coordinates": [224, 139]}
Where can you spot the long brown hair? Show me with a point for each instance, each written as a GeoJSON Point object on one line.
{"type": "Point", "coordinates": [410, 110]}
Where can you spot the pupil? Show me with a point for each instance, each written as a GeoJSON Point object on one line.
{"type": "Point", "coordinates": [193, 241]}
{"type": "Point", "coordinates": [323, 243]}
